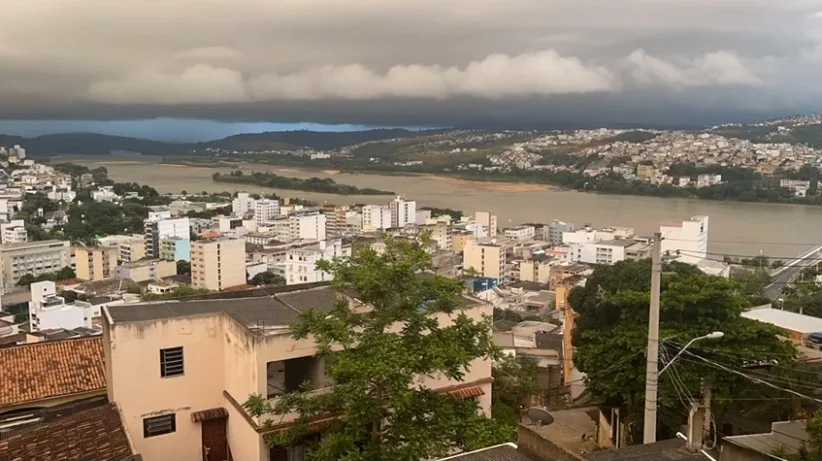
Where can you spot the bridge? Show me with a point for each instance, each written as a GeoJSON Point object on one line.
{"type": "Point", "coordinates": [787, 274]}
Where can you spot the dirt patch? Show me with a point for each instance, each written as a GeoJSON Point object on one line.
{"type": "Point", "coordinates": [331, 172]}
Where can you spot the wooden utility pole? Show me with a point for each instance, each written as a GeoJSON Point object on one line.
{"type": "Point", "coordinates": [652, 360]}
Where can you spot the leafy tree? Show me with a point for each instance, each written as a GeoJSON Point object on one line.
{"type": "Point", "coordinates": [814, 429]}
{"type": "Point", "coordinates": [805, 296]}
{"type": "Point", "coordinates": [178, 292]}
{"type": "Point", "coordinates": [384, 413]}
{"type": "Point", "coordinates": [611, 332]}
{"type": "Point", "coordinates": [183, 267]}
{"type": "Point", "coordinates": [751, 281]}
{"type": "Point", "coordinates": [515, 381]}
{"type": "Point", "coordinates": [26, 280]}
{"type": "Point", "coordinates": [69, 296]}
{"type": "Point", "coordinates": [267, 278]}
{"type": "Point", "coordinates": [66, 273]}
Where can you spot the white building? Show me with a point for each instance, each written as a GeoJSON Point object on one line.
{"type": "Point", "coordinates": [309, 226]}
{"type": "Point", "coordinates": [521, 233]}
{"type": "Point", "coordinates": [599, 252]}
{"type": "Point", "coordinates": [688, 238]}
{"type": "Point", "coordinates": [488, 220]}
{"type": "Point", "coordinates": [265, 210]}
{"type": "Point", "coordinates": [18, 151]}
{"type": "Point", "coordinates": [105, 194]}
{"type": "Point", "coordinates": [165, 229]}
{"type": "Point", "coordinates": [707, 180]}
{"type": "Point", "coordinates": [158, 214]}
{"type": "Point", "coordinates": [375, 218]}
{"type": "Point", "coordinates": [13, 232]}
{"type": "Point", "coordinates": [48, 311]}
{"type": "Point", "coordinates": [242, 204]}
{"type": "Point", "coordinates": [403, 212]}
{"type": "Point", "coordinates": [301, 263]}
{"type": "Point", "coordinates": [587, 235]}
{"type": "Point", "coordinates": [61, 194]}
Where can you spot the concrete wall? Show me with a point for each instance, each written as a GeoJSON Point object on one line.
{"type": "Point", "coordinates": [533, 444]}
{"type": "Point", "coordinates": [732, 452]}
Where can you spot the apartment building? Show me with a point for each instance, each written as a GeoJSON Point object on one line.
{"type": "Point", "coordinates": [521, 233]}
{"type": "Point", "coordinates": [307, 226]}
{"type": "Point", "coordinates": [441, 235]}
{"type": "Point", "coordinates": [555, 230]}
{"type": "Point", "coordinates": [130, 247]}
{"type": "Point", "coordinates": [49, 311]}
{"type": "Point", "coordinates": [688, 238]}
{"type": "Point", "coordinates": [599, 252]}
{"type": "Point", "coordinates": [146, 270]}
{"type": "Point", "coordinates": [96, 263]}
{"type": "Point", "coordinates": [198, 361]}
{"type": "Point", "coordinates": [35, 258]}
{"type": "Point", "coordinates": [301, 262]}
{"type": "Point", "coordinates": [155, 231]}
{"type": "Point", "coordinates": [488, 220]}
{"type": "Point", "coordinates": [175, 249]}
{"type": "Point", "coordinates": [375, 218]}
{"type": "Point", "coordinates": [266, 210]}
{"type": "Point", "coordinates": [243, 204]}
{"type": "Point", "coordinates": [218, 264]}
{"type": "Point", "coordinates": [13, 231]}
{"type": "Point", "coordinates": [487, 258]}
{"type": "Point", "coordinates": [535, 271]}
{"type": "Point", "coordinates": [403, 212]}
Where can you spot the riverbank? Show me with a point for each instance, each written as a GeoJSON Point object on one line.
{"type": "Point", "coordinates": [313, 184]}
{"type": "Point", "coordinates": [196, 163]}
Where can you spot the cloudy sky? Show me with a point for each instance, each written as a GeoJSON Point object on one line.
{"type": "Point", "coordinates": [410, 62]}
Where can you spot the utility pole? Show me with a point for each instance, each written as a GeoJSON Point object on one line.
{"type": "Point", "coordinates": [652, 361]}
{"type": "Point", "coordinates": [706, 405]}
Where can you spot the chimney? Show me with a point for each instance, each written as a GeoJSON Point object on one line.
{"type": "Point", "coordinates": [696, 429]}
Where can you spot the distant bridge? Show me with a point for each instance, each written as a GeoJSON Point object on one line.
{"type": "Point", "coordinates": [787, 274]}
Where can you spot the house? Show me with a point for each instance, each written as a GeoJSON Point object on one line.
{"type": "Point", "coordinates": [199, 360]}
{"type": "Point", "coordinates": [94, 434]}
{"type": "Point", "coordinates": [50, 374]}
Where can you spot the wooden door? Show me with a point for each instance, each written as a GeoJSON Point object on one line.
{"type": "Point", "coordinates": [215, 442]}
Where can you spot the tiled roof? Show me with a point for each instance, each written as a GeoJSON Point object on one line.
{"type": "Point", "coordinates": [49, 369]}
{"type": "Point", "coordinates": [505, 452]}
{"type": "Point", "coordinates": [91, 435]}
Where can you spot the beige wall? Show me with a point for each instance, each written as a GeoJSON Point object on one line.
{"type": "Point", "coordinates": [53, 255]}
{"type": "Point", "coordinates": [95, 263]}
{"type": "Point", "coordinates": [458, 241]}
{"type": "Point", "coordinates": [133, 250]}
{"type": "Point", "coordinates": [147, 271]}
{"type": "Point", "coordinates": [214, 271]}
{"type": "Point", "coordinates": [491, 265]}
{"type": "Point", "coordinates": [535, 271]}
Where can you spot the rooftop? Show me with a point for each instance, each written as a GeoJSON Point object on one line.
{"type": "Point", "coordinates": [96, 434]}
{"type": "Point", "coordinates": [37, 244]}
{"type": "Point", "coordinates": [616, 243]}
{"type": "Point", "coordinates": [784, 319]}
{"type": "Point", "coordinates": [504, 452]}
{"type": "Point", "coordinates": [33, 372]}
{"type": "Point", "coordinates": [665, 450]}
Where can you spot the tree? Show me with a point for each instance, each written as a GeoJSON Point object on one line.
{"type": "Point", "coordinates": [26, 280]}
{"type": "Point", "coordinates": [183, 267]}
{"type": "Point", "coordinates": [267, 278]}
{"type": "Point", "coordinates": [384, 414]}
{"type": "Point", "coordinates": [66, 273]}
{"type": "Point", "coordinates": [515, 380]}
{"type": "Point", "coordinates": [814, 429]}
{"type": "Point", "coordinates": [751, 281]}
{"type": "Point", "coordinates": [611, 333]}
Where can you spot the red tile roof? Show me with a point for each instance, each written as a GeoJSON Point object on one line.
{"type": "Point", "coordinates": [96, 434]}
{"type": "Point", "coordinates": [49, 369]}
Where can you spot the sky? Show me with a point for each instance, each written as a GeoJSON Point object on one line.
{"type": "Point", "coordinates": [406, 62]}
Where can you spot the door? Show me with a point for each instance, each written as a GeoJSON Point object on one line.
{"type": "Point", "coordinates": [215, 442]}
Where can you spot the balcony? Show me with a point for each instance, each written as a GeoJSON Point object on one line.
{"type": "Point", "coordinates": [286, 376]}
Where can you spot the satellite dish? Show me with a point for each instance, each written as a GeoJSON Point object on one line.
{"type": "Point", "coordinates": [539, 416]}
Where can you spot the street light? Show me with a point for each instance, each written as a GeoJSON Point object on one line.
{"type": "Point", "coordinates": [714, 335]}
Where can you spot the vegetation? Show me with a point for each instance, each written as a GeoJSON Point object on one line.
{"type": "Point", "coordinates": [65, 273]}
{"type": "Point", "coordinates": [196, 162]}
{"type": "Point", "coordinates": [181, 291]}
{"type": "Point", "coordinates": [325, 186]}
{"type": "Point", "coordinates": [455, 215]}
{"type": "Point", "coordinates": [267, 278]}
{"type": "Point", "coordinates": [183, 267]}
{"type": "Point", "coordinates": [804, 296]}
{"type": "Point", "coordinates": [612, 330]}
{"type": "Point", "coordinates": [515, 381]}
{"type": "Point", "coordinates": [384, 415]}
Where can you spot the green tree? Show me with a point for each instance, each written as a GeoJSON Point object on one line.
{"type": "Point", "coordinates": [183, 267]}
{"type": "Point", "coordinates": [814, 429]}
{"type": "Point", "coordinates": [611, 333]}
{"type": "Point", "coordinates": [384, 415]}
{"type": "Point", "coordinates": [752, 281]}
{"type": "Point", "coordinates": [515, 381]}
{"type": "Point", "coordinates": [66, 273]}
{"type": "Point", "coordinates": [267, 278]}
{"type": "Point", "coordinates": [805, 296]}
{"type": "Point", "coordinates": [26, 280]}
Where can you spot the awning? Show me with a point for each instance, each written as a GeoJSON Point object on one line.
{"type": "Point", "coordinates": [207, 415]}
{"type": "Point", "coordinates": [467, 392]}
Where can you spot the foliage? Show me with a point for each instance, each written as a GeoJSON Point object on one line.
{"type": "Point", "coordinates": [66, 273]}
{"type": "Point", "coordinates": [322, 185]}
{"type": "Point", "coordinates": [611, 332]}
{"type": "Point", "coordinates": [455, 215]}
{"type": "Point", "coordinates": [751, 281]}
{"type": "Point", "coordinates": [385, 414]}
{"type": "Point", "coordinates": [515, 380]}
{"type": "Point", "coordinates": [208, 214]}
{"type": "Point", "coordinates": [267, 278]}
{"type": "Point", "coordinates": [181, 291]}
{"type": "Point", "coordinates": [805, 296]}
{"type": "Point", "coordinates": [183, 267]}
{"type": "Point", "coordinates": [813, 426]}
{"type": "Point", "coordinates": [90, 220]}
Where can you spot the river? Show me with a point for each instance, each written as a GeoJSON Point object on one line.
{"type": "Point", "coordinates": [778, 230]}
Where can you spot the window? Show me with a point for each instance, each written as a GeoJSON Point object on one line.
{"type": "Point", "coordinates": [171, 362]}
{"type": "Point", "coordinates": [159, 425]}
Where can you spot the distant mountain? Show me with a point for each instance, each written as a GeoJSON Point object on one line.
{"type": "Point", "coordinates": [101, 144]}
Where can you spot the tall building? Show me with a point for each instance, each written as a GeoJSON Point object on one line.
{"type": "Point", "coordinates": [301, 263]}
{"type": "Point", "coordinates": [163, 229]}
{"type": "Point", "coordinates": [488, 220]}
{"type": "Point", "coordinates": [403, 212]}
{"type": "Point", "coordinates": [218, 264]}
{"type": "Point", "coordinates": [486, 258]}
{"type": "Point", "coordinates": [266, 210]}
{"type": "Point", "coordinates": [19, 152]}
{"type": "Point", "coordinates": [35, 258]}
{"type": "Point", "coordinates": [14, 232]}
{"type": "Point", "coordinates": [375, 218]}
{"type": "Point", "coordinates": [307, 226]}
{"type": "Point", "coordinates": [96, 263]}
{"type": "Point", "coordinates": [243, 204]}
{"type": "Point", "coordinates": [175, 249]}
{"type": "Point", "coordinates": [688, 238]}
{"type": "Point", "coordinates": [557, 228]}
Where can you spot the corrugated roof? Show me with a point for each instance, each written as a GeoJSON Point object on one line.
{"type": "Point", "coordinates": [505, 452]}
{"type": "Point", "coordinates": [787, 320]}
{"type": "Point", "coordinates": [32, 372]}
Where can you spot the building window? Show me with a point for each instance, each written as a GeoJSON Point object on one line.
{"type": "Point", "coordinates": [159, 425]}
{"type": "Point", "coordinates": [171, 362]}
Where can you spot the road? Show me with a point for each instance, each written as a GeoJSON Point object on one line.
{"type": "Point", "coordinates": [785, 275]}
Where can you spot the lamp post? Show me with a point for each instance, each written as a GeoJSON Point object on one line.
{"type": "Point", "coordinates": [714, 335]}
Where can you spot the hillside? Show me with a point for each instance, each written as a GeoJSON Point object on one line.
{"type": "Point", "coordinates": [274, 140]}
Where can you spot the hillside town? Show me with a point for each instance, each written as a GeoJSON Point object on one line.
{"type": "Point", "coordinates": [210, 284]}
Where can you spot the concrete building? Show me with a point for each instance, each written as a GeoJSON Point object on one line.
{"type": "Point", "coordinates": [520, 233]}
{"type": "Point", "coordinates": [199, 360]}
{"type": "Point", "coordinates": [422, 217]}
{"type": "Point", "coordinates": [486, 258]}
{"type": "Point", "coordinates": [403, 212]}
{"type": "Point", "coordinates": [96, 263]}
{"type": "Point", "coordinates": [556, 228]}
{"type": "Point", "coordinates": [35, 258]}
{"type": "Point", "coordinates": [266, 210]}
{"type": "Point", "coordinates": [535, 271]}
{"type": "Point", "coordinates": [375, 218]}
{"type": "Point", "coordinates": [243, 204]}
{"type": "Point", "coordinates": [218, 264]}
{"type": "Point", "coordinates": [13, 232]}
{"type": "Point", "coordinates": [488, 220]}
{"type": "Point", "coordinates": [441, 235]}
{"type": "Point", "coordinates": [175, 249]}
{"type": "Point", "coordinates": [307, 226]}
{"type": "Point", "coordinates": [105, 194]}
{"type": "Point", "coordinates": [301, 262]}
{"type": "Point", "coordinates": [147, 270]}
{"type": "Point", "coordinates": [48, 311]}
{"type": "Point", "coordinates": [599, 252]}
{"type": "Point", "coordinates": [61, 194]}
{"type": "Point", "coordinates": [688, 238]}
{"type": "Point", "coordinates": [157, 230]}
{"type": "Point", "coordinates": [130, 247]}
{"type": "Point", "coordinates": [226, 223]}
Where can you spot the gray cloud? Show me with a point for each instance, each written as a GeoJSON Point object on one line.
{"type": "Point", "coordinates": [221, 59]}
